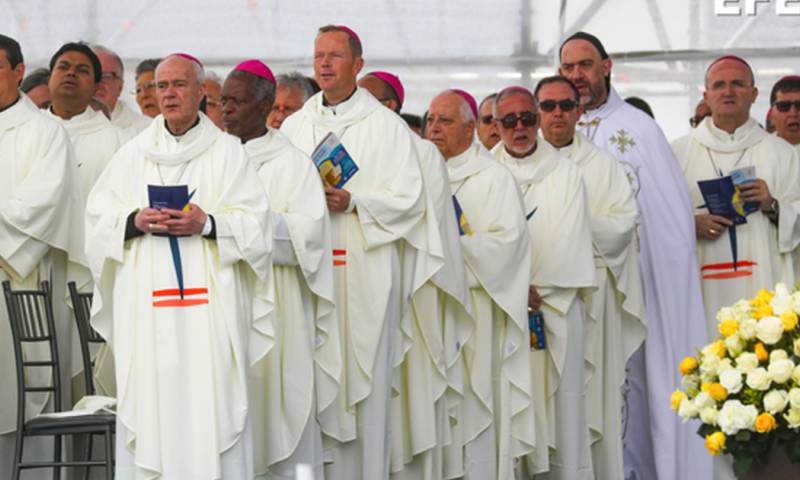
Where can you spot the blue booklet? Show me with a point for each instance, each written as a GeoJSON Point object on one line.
{"type": "Point", "coordinates": [175, 197]}
{"type": "Point", "coordinates": [461, 219]}
{"type": "Point", "coordinates": [536, 331]}
{"type": "Point", "coordinates": [741, 176]}
{"type": "Point", "coordinates": [722, 198]}
{"type": "Point", "coordinates": [335, 165]}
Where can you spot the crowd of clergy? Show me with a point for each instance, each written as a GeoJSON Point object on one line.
{"type": "Point", "coordinates": [503, 290]}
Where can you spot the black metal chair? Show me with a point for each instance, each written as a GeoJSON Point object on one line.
{"type": "Point", "coordinates": [31, 315]}
{"type": "Point", "coordinates": [82, 307]}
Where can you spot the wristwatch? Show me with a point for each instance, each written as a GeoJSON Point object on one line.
{"type": "Point", "coordinates": [773, 211]}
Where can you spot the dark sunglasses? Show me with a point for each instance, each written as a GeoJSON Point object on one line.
{"type": "Point", "coordinates": [487, 119]}
{"type": "Point", "coordinates": [695, 121]}
{"type": "Point", "coordinates": [528, 119]}
{"type": "Point", "coordinates": [785, 105]}
{"type": "Point", "coordinates": [565, 105]}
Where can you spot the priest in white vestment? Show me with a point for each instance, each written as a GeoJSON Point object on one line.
{"type": "Point", "coordinates": [41, 234]}
{"type": "Point", "coordinates": [496, 418]}
{"type": "Point", "coordinates": [282, 384]}
{"type": "Point", "coordinates": [182, 317]}
{"type": "Point", "coordinates": [657, 444]}
{"type": "Point", "coordinates": [383, 250]}
{"type": "Point", "coordinates": [430, 380]}
{"type": "Point", "coordinates": [617, 307]}
{"type": "Point", "coordinates": [561, 274]}
{"type": "Point", "coordinates": [109, 89]}
{"type": "Point", "coordinates": [75, 74]}
{"type": "Point", "coordinates": [726, 141]}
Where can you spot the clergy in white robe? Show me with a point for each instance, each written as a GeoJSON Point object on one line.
{"type": "Point", "coordinates": [40, 235]}
{"type": "Point", "coordinates": [657, 444]}
{"type": "Point", "coordinates": [496, 418]}
{"type": "Point", "coordinates": [109, 89]}
{"type": "Point", "coordinates": [784, 100]}
{"type": "Point", "coordinates": [185, 327]}
{"type": "Point", "coordinates": [728, 140]}
{"type": "Point", "coordinates": [562, 273]}
{"type": "Point", "coordinates": [282, 384]}
{"type": "Point", "coordinates": [383, 250]}
{"type": "Point", "coordinates": [617, 307]}
{"type": "Point", "coordinates": [430, 379]}
{"type": "Point", "coordinates": [75, 74]}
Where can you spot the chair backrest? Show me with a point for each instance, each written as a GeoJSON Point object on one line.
{"type": "Point", "coordinates": [31, 315]}
{"type": "Point", "coordinates": [82, 306]}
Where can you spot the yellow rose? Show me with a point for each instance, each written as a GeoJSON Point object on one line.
{"type": "Point", "coordinates": [762, 311]}
{"type": "Point", "coordinates": [729, 327]}
{"type": "Point", "coordinates": [762, 297]}
{"type": "Point", "coordinates": [789, 319]}
{"type": "Point", "coordinates": [719, 348]}
{"type": "Point", "coordinates": [761, 352]}
{"type": "Point", "coordinates": [676, 398]}
{"type": "Point", "coordinates": [688, 365]}
{"type": "Point", "coordinates": [715, 443]}
{"type": "Point", "coordinates": [717, 392]}
{"type": "Point", "coordinates": [765, 423]}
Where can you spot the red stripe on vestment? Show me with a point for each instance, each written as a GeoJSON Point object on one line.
{"type": "Point", "coordinates": [728, 265]}
{"type": "Point", "coordinates": [169, 292]}
{"type": "Point", "coordinates": [186, 302]}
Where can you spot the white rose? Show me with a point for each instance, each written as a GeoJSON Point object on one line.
{"type": "Point", "coordinates": [709, 415]}
{"type": "Point", "coordinates": [782, 300]}
{"type": "Point", "coordinates": [769, 330]}
{"type": "Point", "coordinates": [710, 364]}
{"type": "Point", "coordinates": [793, 417]}
{"type": "Point", "coordinates": [725, 313]}
{"type": "Point", "coordinates": [747, 328]}
{"type": "Point", "coordinates": [780, 370]}
{"type": "Point", "coordinates": [796, 302]}
{"type": "Point", "coordinates": [747, 362]}
{"type": "Point", "coordinates": [794, 397]}
{"type": "Point", "coordinates": [775, 401]}
{"type": "Point", "coordinates": [702, 400]}
{"type": "Point", "coordinates": [759, 379]}
{"type": "Point", "coordinates": [724, 364]}
{"type": "Point", "coordinates": [734, 417]}
{"type": "Point", "coordinates": [734, 344]}
{"type": "Point", "coordinates": [732, 380]}
{"type": "Point", "coordinates": [778, 354]}
{"type": "Point", "coordinates": [687, 410]}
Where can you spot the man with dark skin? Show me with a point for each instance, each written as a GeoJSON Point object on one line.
{"type": "Point", "coordinates": [298, 206]}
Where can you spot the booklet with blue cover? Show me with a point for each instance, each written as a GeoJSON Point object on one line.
{"type": "Point", "coordinates": [722, 198]}
{"type": "Point", "coordinates": [536, 331]}
{"type": "Point", "coordinates": [335, 165]}
{"type": "Point", "coordinates": [461, 219]}
{"type": "Point", "coordinates": [175, 197]}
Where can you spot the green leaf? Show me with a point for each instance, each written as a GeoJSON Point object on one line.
{"type": "Point", "coordinates": [742, 464]}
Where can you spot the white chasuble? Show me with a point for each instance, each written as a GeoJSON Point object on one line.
{"type": "Point", "coordinates": [562, 270]}
{"type": "Point", "coordinates": [182, 360]}
{"type": "Point", "coordinates": [764, 250]}
{"type": "Point", "coordinates": [657, 443]}
{"type": "Point", "coordinates": [430, 379]}
{"type": "Point", "coordinates": [126, 119]}
{"type": "Point", "coordinates": [94, 140]}
{"type": "Point", "coordinates": [41, 238]}
{"type": "Point", "coordinates": [617, 306]}
{"type": "Point", "coordinates": [496, 418]}
{"type": "Point", "coordinates": [282, 384]}
{"type": "Point", "coordinates": [383, 251]}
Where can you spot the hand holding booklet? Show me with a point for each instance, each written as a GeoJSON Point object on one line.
{"type": "Point", "coordinates": [175, 197]}
{"type": "Point", "coordinates": [335, 165]}
{"type": "Point", "coordinates": [723, 195]}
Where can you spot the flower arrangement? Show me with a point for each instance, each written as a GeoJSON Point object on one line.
{"type": "Point", "coordinates": [745, 386]}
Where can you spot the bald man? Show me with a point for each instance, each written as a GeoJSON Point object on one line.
{"type": "Point", "coordinates": [112, 81]}
{"type": "Point", "coordinates": [189, 325]}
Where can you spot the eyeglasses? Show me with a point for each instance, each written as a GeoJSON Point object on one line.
{"type": "Point", "coordinates": [487, 119]}
{"type": "Point", "coordinates": [146, 86]}
{"type": "Point", "coordinates": [108, 76]}
{"type": "Point", "coordinates": [785, 105]}
{"type": "Point", "coordinates": [528, 119]}
{"type": "Point", "coordinates": [565, 105]}
{"type": "Point", "coordinates": [695, 121]}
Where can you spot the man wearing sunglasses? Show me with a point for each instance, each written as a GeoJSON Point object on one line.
{"type": "Point", "coordinates": [731, 139]}
{"type": "Point", "coordinates": [486, 127]}
{"type": "Point", "coordinates": [617, 307]}
{"type": "Point", "coordinates": [657, 443]}
{"type": "Point", "coordinates": [785, 109]}
{"type": "Point", "coordinates": [496, 251]}
{"type": "Point", "coordinates": [561, 274]}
